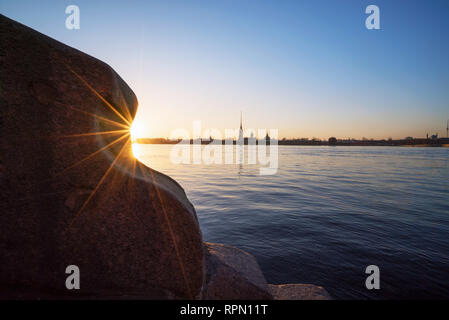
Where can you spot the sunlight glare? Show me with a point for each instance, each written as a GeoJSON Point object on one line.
{"type": "Point", "coordinates": [137, 150]}
{"type": "Point", "coordinates": [137, 130]}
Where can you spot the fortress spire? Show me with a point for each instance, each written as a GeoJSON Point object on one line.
{"type": "Point", "coordinates": [241, 127]}
{"type": "Point", "coordinates": [241, 130]}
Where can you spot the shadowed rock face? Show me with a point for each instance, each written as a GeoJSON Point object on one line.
{"type": "Point", "coordinates": [299, 292]}
{"type": "Point", "coordinates": [73, 194]}
{"type": "Point", "coordinates": [233, 274]}
{"type": "Point", "coordinates": [130, 229]}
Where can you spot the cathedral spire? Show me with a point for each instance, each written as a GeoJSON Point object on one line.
{"type": "Point", "coordinates": [241, 127]}
{"type": "Point", "coordinates": [241, 140]}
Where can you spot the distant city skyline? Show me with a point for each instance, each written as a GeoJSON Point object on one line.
{"type": "Point", "coordinates": [307, 68]}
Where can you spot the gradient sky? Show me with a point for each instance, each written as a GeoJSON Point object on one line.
{"type": "Point", "coordinates": [308, 68]}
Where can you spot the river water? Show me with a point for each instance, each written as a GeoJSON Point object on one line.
{"type": "Point", "coordinates": [328, 213]}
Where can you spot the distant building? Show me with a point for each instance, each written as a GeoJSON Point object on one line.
{"type": "Point", "coordinates": [332, 141]}
{"type": "Point", "coordinates": [241, 140]}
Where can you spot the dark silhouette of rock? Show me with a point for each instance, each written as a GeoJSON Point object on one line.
{"type": "Point", "coordinates": [232, 273]}
{"type": "Point", "coordinates": [299, 292]}
{"type": "Point", "coordinates": [74, 199]}
{"type": "Point", "coordinates": [73, 194]}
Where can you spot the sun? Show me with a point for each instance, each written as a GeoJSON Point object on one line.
{"type": "Point", "coordinates": [137, 130]}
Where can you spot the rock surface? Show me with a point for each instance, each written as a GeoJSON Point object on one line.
{"type": "Point", "coordinates": [73, 194]}
{"type": "Point", "coordinates": [71, 198]}
{"type": "Point", "coordinates": [298, 292]}
{"type": "Point", "coordinates": [233, 274]}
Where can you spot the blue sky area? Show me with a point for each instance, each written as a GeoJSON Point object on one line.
{"type": "Point", "coordinates": [307, 68]}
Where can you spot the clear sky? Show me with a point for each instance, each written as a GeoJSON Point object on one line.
{"type": "Point", "coordinates": [308, 68]}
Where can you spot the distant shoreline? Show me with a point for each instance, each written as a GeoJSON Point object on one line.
{"type": "Point", "coordinates": [421, 143]}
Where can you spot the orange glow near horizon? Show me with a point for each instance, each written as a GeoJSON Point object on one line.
{"type": "Point", "coordinates": [137, 131]}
